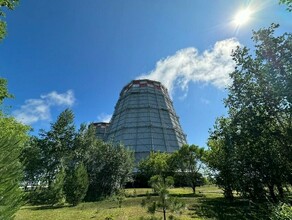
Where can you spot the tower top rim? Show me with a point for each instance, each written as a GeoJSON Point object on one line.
{"type": "Point", "coordinates": [143, 82]}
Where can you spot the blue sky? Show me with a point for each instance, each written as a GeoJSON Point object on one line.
{"type": "Point", "coordinates": [80, 54]}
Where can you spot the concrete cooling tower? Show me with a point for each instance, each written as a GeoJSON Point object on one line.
{"type": "Point", "coordinates": [144, 120]}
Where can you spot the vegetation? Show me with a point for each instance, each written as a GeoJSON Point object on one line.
{"type": "Point", "coordinates": [160, 186]}
{"type": "Point", "coordinates": [288, 3]}
{"type": "Point", "coordinates": [183, 165]}
{"type": "Point", "coordinates": [76, 184]}
{"type": "Point", "coordinates": [208, 203]}
{"type": "Point", "coordinates": [250, 153]}
{"type": "Point", "coordinates": [251, 149]}
{"type": "Point", "coordinates": [109, 168]}
{"type": "Point", "coordinates": [13, 136]}
{"type": "Point", "coordinates": [156, 163]}
{"type": "Point", "coordinates": [188, 161]}
{"type": "Point", "coordinates": [131, 208]}
{"type": "Point", "coordinates": [8, 4]}
{"type": "Point", "coordinates": [66, 165]}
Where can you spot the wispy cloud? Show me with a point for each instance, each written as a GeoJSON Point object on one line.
{"type": "Point", "coordinates": [188, 65]}
{"type": "Point", "coordinates": [103, 117]}
{"type": "Point", "coordinates": [34, 110]}
{"type": "Point", "coordinates": [55, 98]}
{"type": "Point", "coordinates": [205, 101]}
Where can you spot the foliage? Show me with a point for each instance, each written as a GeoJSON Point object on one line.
{"type": "Point", "coordinates": [288, 3]}
{"type": "Point", "coordinates": [221, 157]}
{"type": "Point", "coordinates": [76, 184]}
{"type": "Point", "coordinates": [254, 144]}
{"type": "Point", "coordinates": [109, 167]}
{"type": "Point", "coordinates": [209, 205]}
{"type": "Point", "coordinates": [55, 192]}
{"type": "Point", "coordinates": [60, 149]}
{"type": "Point", "coordinates": [281, 211]}
{"type": "Point", "coordinates": [13, 136]}
{"type": "Point", "coordinates": [57, 144]}
{"type": "Point", "coordinates": [188, 161]}
{"type": "Point", "coordinates": [156, 163]}
{"type": "Point", "coordinates": [9, 4]}
{"type": "Point", "coordinates": [120, 197]}
{"type": "Point", "coordinates": [33, 163]}
{"type": "Point", "coordinates": [45, 159]}
{"type": "Point", "coordinates": [10, 172]}
{"type": "Point", "coordinates": [3, 91]}
{"type": "Point", "coordinates": [57, 149]}
{"type": "Point", "coordinates": [160, 186]}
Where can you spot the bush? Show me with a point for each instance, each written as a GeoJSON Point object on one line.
{"type": "Point", "coordinates": [282, 211]}
{"type": "Point", "coordinates": [76, 185]}
{"type": "Point", "coordinates": [55, 192]}
{"type": "Point", "coordinates": [37, 197]}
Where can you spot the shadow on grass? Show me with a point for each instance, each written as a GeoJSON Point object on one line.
{"type": "Point", "coordinates": [219, 208]}
{"type": "Point", "coordinates": [46, 207]}
{"type": "Point", "coordinates": [188, 195]}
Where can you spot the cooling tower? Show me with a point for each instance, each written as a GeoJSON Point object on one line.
{"type": "Point", "coordinates": [144, 119]}
{"type": "Point", "coordinates": [101, 130]}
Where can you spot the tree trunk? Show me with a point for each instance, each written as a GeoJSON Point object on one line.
{"type": "Point", "coordinates": [228, 194]}
{"type": "Point", "coordinates": [164, 214]}
{"type": "Point", "coordinates": [272, 193]}
{"type": "Point", "coordinates": [281, 191]}
{"type": "Point", "coordinates": [193, 187]}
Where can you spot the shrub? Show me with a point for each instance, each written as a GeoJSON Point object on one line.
{"type": "Point", "coordinates": [76, 185]}
{"type": "Point", "coordinates": [282, 211]}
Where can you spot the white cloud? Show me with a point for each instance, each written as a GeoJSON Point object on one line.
{"type": "Point", "coordinates": [188, 65]}
{"type": "Point", "coordinates": [35, 110]}
{"type": "Point", "coordinates": [104, 117]}
{"type": "Point", "coordinates": [54, 98]}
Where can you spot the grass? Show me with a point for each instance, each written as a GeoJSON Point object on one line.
{"type": "Point", "coordinates": [208, 203]}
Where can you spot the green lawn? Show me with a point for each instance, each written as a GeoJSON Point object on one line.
{"type": "Point", "coordinates": [208, 203]}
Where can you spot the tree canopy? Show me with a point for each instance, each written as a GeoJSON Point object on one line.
{"type": "Point", "coordinates": [13, 136]}
{"type": "Point", "coordinates": [255, 141]}
{"type": "Point", "coordinates": [288, 3]}
{"type": "Point", "coordinates": [8, 4]}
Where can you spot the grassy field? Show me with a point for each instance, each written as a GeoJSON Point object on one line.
{"type": "Point", "coordinates": [208, 203]}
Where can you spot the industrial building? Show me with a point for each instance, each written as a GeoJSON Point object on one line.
{"type": "Point", "coordinates": [101, 129]}
{"type": "Point", "coordinates": [144, 120]}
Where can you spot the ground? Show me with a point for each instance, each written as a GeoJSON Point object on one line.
{"type": "Point", "coordinates": [208, 203]}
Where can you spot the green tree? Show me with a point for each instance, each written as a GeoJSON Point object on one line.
{"type": "Point", "coordinates": [76, 184]}
{"type": "Point", "coordinates": [165, 202]}
{"type": "Point", "coordinates": [157, 163]}
{"type": "Point", "coordinates": [221, 157]}
{"type": "Point", "coordinates": [8, 4]}
{"type": "Point", "coordinates": [258, 132]}
{"type": "Point", "coordinates": [13, 136]}
{"type": "Point", "coordinates": [188, 161]}
{"type": "Point", "coordinates": [288, 3]}
{"type": "Point", "coordinates": [33, 163]}
{"type": "Point", "coordinates": [85, 142]}
{"type": "Point", "coordinates": [45, 158]}
{"type": "Point", "coordinates": [55, 193]}
{"type": "Point", "coordinates": [109, 167]}
{"type": "Point", "coordinates": [3, 92]}
{"type": "Point", "coordinates": [57, 144]}
{"type": "Point", "coordinates": [260, 101]}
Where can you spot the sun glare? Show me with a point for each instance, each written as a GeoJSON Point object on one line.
{"type": "Point", "coordinates": [242, 17]}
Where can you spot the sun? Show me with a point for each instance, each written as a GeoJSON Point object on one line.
{"type": "Point", "coordinates": [242, 17]}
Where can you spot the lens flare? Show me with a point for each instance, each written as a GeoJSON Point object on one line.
{"type": "Point", "coordinates": [242, 17]}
